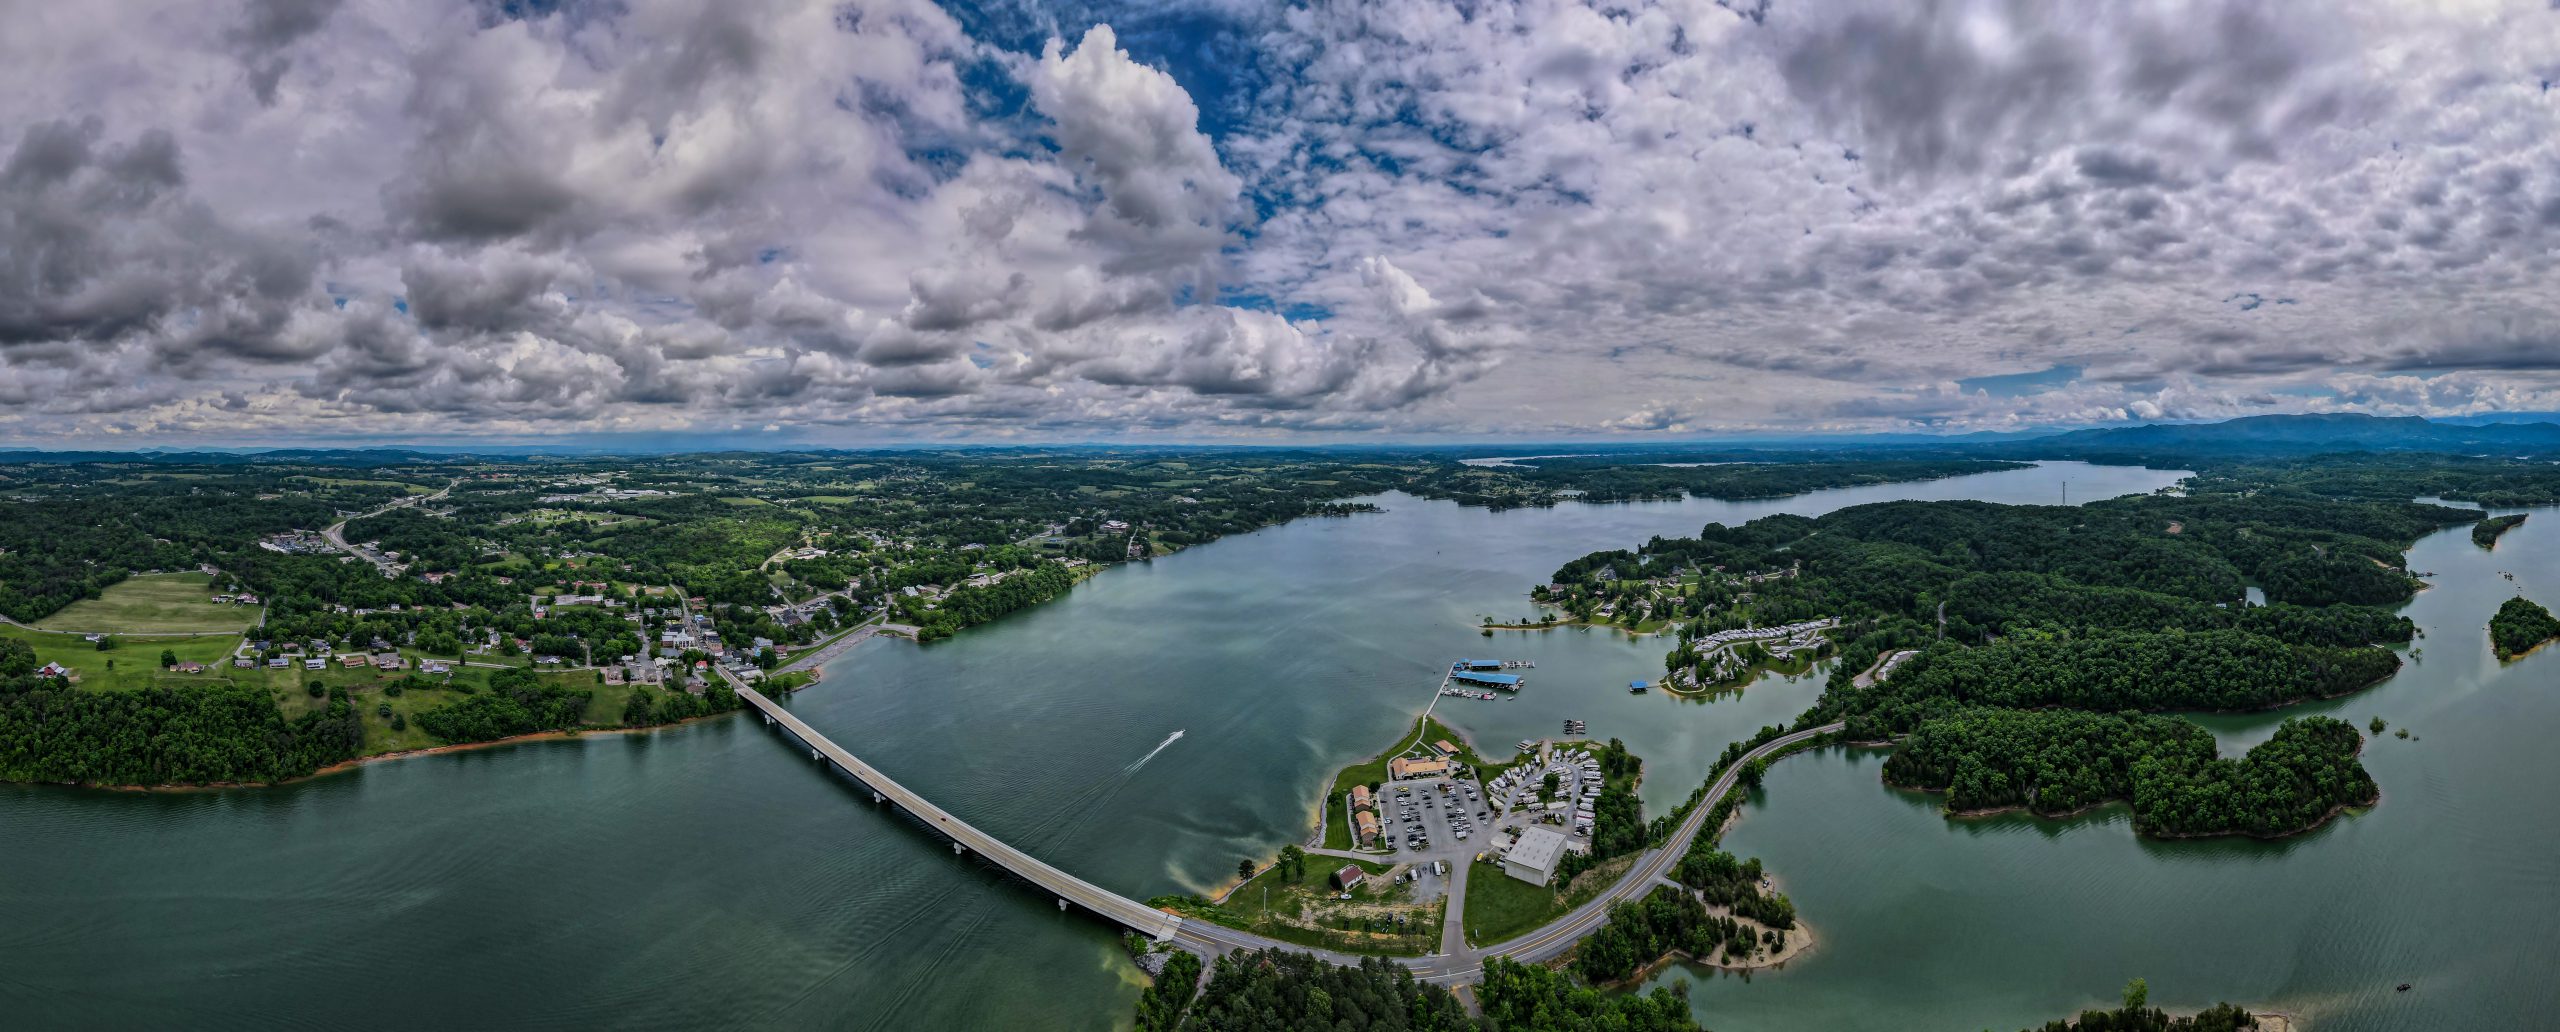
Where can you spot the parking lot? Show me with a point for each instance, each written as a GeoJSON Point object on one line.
{"type": "Point", "coordinates": [1435, 819]}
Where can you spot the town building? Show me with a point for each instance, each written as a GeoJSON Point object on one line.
{"type": "Point", "coordinates": [1533, 859]}
{"type": "Point", "coordinates": [1348, 877]}
{"type": "Point", "coordinates": [1405, 767]}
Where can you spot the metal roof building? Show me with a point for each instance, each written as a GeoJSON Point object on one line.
{"type": "Point", "coordinates": [1507, 682]}
{"type": "Point", "coordinates": [1533, 858]}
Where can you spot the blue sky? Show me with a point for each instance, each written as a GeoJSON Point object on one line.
{"type": "Point", "coordinates": [886, 220]}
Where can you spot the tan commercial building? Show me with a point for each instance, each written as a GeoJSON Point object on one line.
{"type": "Point", "coordinates": [1401, 768]}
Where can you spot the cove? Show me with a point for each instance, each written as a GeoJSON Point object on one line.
{"type": "Point", "coordinates": [710, 876]}
{"type": "Point", "coordinates": [2452, 883]}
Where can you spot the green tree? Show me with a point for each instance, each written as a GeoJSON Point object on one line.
{"type": "Point", "coordinates": [168, 658]}
{"type": "Point", "coordinates": [1244, 868]}
{"type": "Point", "coordinates": [1547, 788]}
{"type": "Point", "coordinates": [1293, 862]}
{"type": "Point", "coordinates": [2137, 995]}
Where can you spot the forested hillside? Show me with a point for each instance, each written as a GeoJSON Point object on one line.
{"type": "Point", "coordinates": [2040, 633]}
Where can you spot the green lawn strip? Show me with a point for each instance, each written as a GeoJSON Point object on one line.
{"type": "Point", "coordinates": [162, 603]}
{"type": "Point", "coordinates": [1501, 908]}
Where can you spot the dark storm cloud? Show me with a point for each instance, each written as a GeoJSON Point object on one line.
{"type": "Point", "coordinates": [270, 29]}
{"type": "Point", "coordinates": [105, 246]}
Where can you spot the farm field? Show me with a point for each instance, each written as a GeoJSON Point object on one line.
{"type": "Point", "coordinates": [160, 603]}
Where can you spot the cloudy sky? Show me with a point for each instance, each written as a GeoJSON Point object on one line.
{"type": "Point", "coordinates": [277, 220]}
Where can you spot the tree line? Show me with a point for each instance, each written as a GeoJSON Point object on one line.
{"type": "Point", "coordinates": [1283, 991]}
{"type": "Point", "coordinates": [215, 733]}
{"type": "Point", "coordinates": [2055, 762]}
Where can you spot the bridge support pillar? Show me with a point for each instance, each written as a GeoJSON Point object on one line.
{"type": "Point", "coordinates": [816, 755]}
{"type": "Point", "coordinates": [955, 849]}
{"type": "Point", "coordinates": [877, 798]}
{"type": "Point", "coordinates": [1062, 904]}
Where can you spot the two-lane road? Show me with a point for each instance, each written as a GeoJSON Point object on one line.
{"type": "Point", "coordinates": [1548, 941]}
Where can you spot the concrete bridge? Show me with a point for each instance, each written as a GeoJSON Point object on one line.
{"type": "Point", "coordinates": [1110, 906]}
{"type": "Point", "coordinates": [1456, 963]}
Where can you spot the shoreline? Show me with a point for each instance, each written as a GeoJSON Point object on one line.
{"type": "Point", "coordinates": [2537, 647]}
{"type": "Point", "coordinates": [2138, 832]}
{"type": "Point", "coordinates": [1798, 945]}
{"type": "Point", "coordinates": [344, 766]}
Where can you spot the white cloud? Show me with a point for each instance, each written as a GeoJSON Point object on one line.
{"type": "Point", "coordinates": [1527, 216]}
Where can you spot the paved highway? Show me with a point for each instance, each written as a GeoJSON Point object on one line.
{"type": "Point", "coordinates": [336, 534]}
{"type": "Point", "coordinates": [1558, 936]}
{"type": "Point", "coordinates": [1653, 867]}
{"type": "Point", "coordinates": [1068, 888]}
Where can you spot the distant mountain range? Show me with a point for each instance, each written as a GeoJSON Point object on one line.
{"type": "Point", "coordinates": [2299, 435]}
{"type": "Point", "coordinates": [2273, 436]}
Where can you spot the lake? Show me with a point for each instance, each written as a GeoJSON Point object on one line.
{"type": "Point", "coordinates": [711, 876]}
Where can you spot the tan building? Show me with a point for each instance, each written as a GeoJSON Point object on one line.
{"type": "Point", "coordinates": [1365, 824]}
{"type": "Point", "coordinates": [1402, 768]}
{"type": "Point", "coordinates": [1361, 799]}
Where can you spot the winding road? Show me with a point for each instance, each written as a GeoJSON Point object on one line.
{"type": "Point", "coordinates": [1652, 867]}
{"type": "Point", "coordinates": [336, 534]}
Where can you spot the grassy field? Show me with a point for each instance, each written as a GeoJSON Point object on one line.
{"type": "Point", "coordinates": [1500, 907]}
{"type": "Point", "coordinates": [162, 603]}
{"type": "Point", "coordinates": [136, 660]}
{"type": "Point", "coordinates": [1258, 905]}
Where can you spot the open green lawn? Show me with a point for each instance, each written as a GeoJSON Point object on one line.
{"type": "Point", "coordinates": [157, 603]}
{"type": "Point", "coordinates": [137, 660]}
{"type": "Point", "coordinates": [1500, 907]}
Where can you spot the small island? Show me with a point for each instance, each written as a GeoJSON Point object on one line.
{"type": "Point", "coordinates": [2521, 626]}
{"type": "Point", "coordinates": [2486, 532]}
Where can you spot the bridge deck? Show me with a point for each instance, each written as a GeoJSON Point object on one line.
{"type": "Point", "coordinates": [1119, 909]}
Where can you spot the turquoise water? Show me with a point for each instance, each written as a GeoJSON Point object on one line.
{"type": "Point", "coordinates": [709, 876]}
